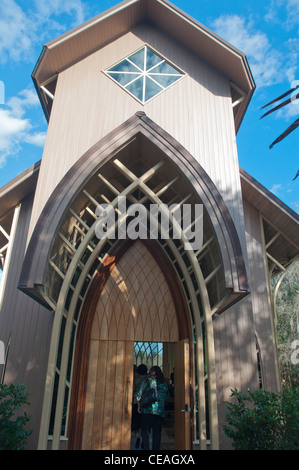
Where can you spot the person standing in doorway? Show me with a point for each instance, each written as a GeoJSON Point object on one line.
{"type": "Point", "coordinates": [139, 376]}
{"type": "Point", "coordinates": [153, 415]}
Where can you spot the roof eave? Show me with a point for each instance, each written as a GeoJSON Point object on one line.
{"type": "Point", "coordinates": [270, 207]}
{"type": "Point", "coordinates": [12, 193]}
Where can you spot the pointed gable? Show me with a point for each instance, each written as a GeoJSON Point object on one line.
{"type": "Point", "coordinates": [75, 45]}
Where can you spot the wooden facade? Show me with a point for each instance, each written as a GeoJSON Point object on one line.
{"type": "Point", "coordinates": [73, 306]}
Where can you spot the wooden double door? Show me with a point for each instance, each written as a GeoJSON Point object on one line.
{"type": "Point", "coordinates": [108, 408]}
{"type": "Point", "coordinates": [138, 302]}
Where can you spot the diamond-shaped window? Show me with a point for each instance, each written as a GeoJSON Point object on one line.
{"type": "Point", "coordinates": [144, 74]}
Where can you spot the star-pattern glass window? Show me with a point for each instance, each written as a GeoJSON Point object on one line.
{"type": "Point", "coordinates": [144, 74]}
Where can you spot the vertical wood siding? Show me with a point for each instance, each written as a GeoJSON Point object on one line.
{"type": "Point", "coordinates": [30, 325]}
{"type": "Point", "coordinates": [238, 328]}
{"type": "Point", "coordinates": [235, 356]}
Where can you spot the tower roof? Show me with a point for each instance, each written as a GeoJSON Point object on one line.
{"type": "Point", "coordinates": [73, 46]}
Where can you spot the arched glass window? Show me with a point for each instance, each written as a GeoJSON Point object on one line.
{"type": "Point", "coordinates": [144, 74]}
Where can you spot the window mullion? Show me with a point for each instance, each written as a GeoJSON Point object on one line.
{"type": "Point", "coordinates": [156, 65]}
{"type": "Point", "coordinates": [134, 65]}
{"type": "Point", "coordinates": [134, 79]}
{"type": "Point", "coordinates": [143, 91]}
{"type": "Point", "coordinates": [161, 86]}
{"type": "Point", "coordinates": [145, 59]}
{"type": "Point", "coordinates": [165, 74]}
{"type": "Point", "coordinates": [123, 72]}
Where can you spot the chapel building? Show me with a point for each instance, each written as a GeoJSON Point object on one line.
{"type": "Point", "coordinates": [143, 105]}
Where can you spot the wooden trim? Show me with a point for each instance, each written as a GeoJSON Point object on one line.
{"type": "Point", "coordinates": [11, 238]}
{"type": "Point", "coordinates": [271, 305]}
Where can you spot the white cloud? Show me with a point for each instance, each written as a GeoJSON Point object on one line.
{"type": "Point", "coordinates": [284, 14]}
{"type": "Point", "coordinates": [26, 99]}
{"type": "Point", "coordinates": [292, 59]}
{"type": "Point", "coordinates": [45, 11]}
{"type": "Point", "coordinates": [16, 32]}
{"type": "Point", "coordinates": [292, 12]}
{"type": "Point", "coordinates": [290, 111]}
{"type": "Point", "coordinates": [265, 62]}
{"type": "Point", "coordinates": [38, 139]}
{"type": "Point", "coordinates": [276, 189]}
{"type": "Point", "coordinates": [280, 191]}
{"type": "Point", "coordinates": [11, 129]}
{"type": "Point", "coordinates": [295, 207]}
{"type": "Point", "coordinates": [15, 127]}
{"type": "Point", "coordinates": [21, 32]}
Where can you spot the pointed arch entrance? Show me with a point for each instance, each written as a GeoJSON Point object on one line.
{"type": "Point", "coordinates": [139, 300]}
{"type": "Point", "coordinates": [146, 165]}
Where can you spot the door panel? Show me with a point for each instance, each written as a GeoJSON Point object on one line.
{"type": "Point", "coordinates": [107, 422]}
{"type": "Point", "coordinates": [182, 396]}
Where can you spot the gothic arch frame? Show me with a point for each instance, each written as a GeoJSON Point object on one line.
{"type": "Point", "coordinates": [35, 264]}
{"type": "Point", "coordinates": [34, 274]}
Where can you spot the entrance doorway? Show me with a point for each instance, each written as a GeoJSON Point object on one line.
{"type": "Point", "coordinates": [130, 314]}
{"type": "Point", "coordinates": [174, 361]}
{"type": "Point", "coordinates": [163, 355]}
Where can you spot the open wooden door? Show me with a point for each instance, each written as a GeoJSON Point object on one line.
{"type": "Point", "coordinates": [107, 419]}
{"type": "Point", "coordinates": [182, 396]}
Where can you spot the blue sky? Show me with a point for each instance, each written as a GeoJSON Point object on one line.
{"type": "Point", "coordinates": [267, 31]}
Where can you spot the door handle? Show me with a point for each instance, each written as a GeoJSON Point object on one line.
{"type": "Point", "coordinates": [187, 409]}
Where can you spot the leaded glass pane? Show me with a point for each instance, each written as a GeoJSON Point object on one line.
{"type": "Point", "coordinates": [144, 74]}
{"type": "Point", "coordinates": [151, 89]}
{"type": "Point", "coordinates": [123, 78]}
{"type": "Point", "coordinates": [138, 59]}
{"type": "Point", "coordinates": [152, 59]}
{"type": "Point", "coordinates": [164, 67]}
{"type": "Point", "coordinates": [124, 66]}
{"type": "Point", "coordinates": [136, 88]}
{"type": "Point", "coordinates": [164, 80]}
{"type": "Point", "coordinates": [149, 354]}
